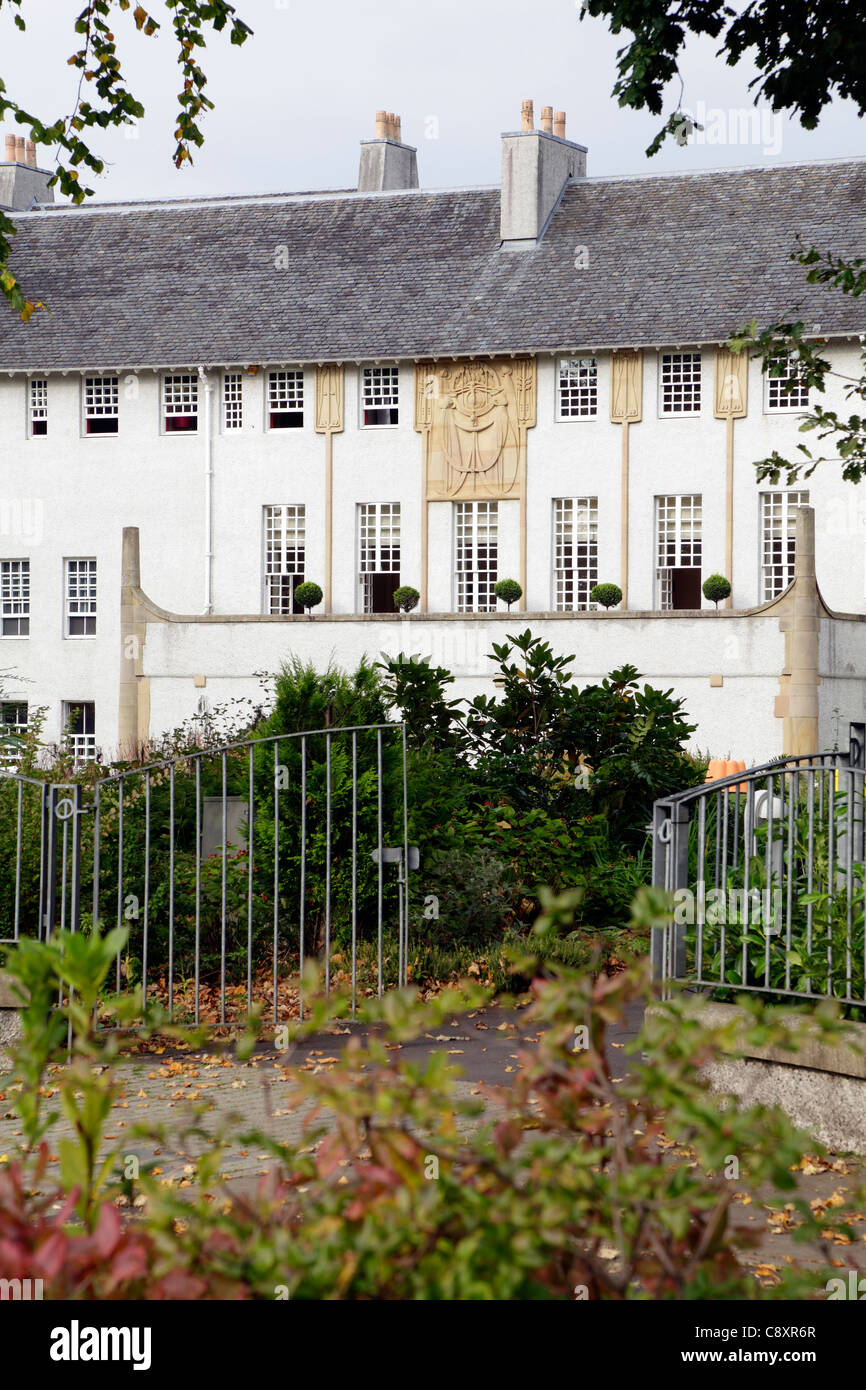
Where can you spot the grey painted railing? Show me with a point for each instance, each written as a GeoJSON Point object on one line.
{"type": "Point", "coordinates": [230, 867]}
{"type": "Point", "coordinates": [766, 869]}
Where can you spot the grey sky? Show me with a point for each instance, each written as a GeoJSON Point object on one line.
{"type": "Point", "coordinates": [293, 103]}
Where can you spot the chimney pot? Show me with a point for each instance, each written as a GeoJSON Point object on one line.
{"type": "Point", "coordinates": [559, 124]}
{"type": "Point", "coordinates": [11, 149]}
{"type": "Point", "coordinates": [547, 119]}
{"type": "Point", "coordinates": [20, 149]}
{"type": "Point", "coordinates": [397, 130]}
{"type": "Point", "coordinates": [527, 118]}
{"type": "Point", "coordinates": [381, 123]}
{"type": "Point", "coordinates": [31, 152]}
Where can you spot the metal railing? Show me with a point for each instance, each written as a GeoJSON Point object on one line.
{"type": "Point", "coordinates": [230, 868]}
{"type": "Point", "coordinates": [766, 869]}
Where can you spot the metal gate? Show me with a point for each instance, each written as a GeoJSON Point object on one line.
{"type": "Point", "coordinates": [767, 869]}
{"type": "Point", "coordinates": [230, 867]}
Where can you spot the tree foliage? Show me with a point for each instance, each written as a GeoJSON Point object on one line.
{"type": "Point", "coordinates": [782, 343]}
{"type": "Point", "coordinates": [106, 101]}
{"type": "Point", "coordinates": [807, 52]}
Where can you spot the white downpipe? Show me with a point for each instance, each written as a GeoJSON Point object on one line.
{"type": "Point", "coordinates": [208, 493]}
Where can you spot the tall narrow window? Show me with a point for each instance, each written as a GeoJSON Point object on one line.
{"type": "Point", "coordinates": [778, 540]}
{"type": "Point", "coordinates": [79, 724]}
{"type": "Point", "coordinates": [475, 556]}
{"type": "Point", "coordinates": [100, 405]}
{"type": "Point", "coordinates": [233, 401]}
{"type": "Point", "coordinates": [180, 402]}
{"type": "Point", "coordinates": [378, 555]}
{"type": "Point", "coordinates": [575, 552]}
{"type": "Point", "coordinates": [785, 389]}
{"type": "Point", "coordinates": [379, 395]}
{"type": "Point", "coordinates": [678, 552]}
{"type": "Point", "coordinates": [13, 726]}
{"type": "Point", "coordinates": [285, 400]}
{"type": "Point", "coordinates": [80, 598]}
{"type": "Point", "coordinates": [38, 405]}
{"type": "Point", "coordinates": [285, 546]}
{"type": "Point", "coordinates": [15, 598]}
{"type": "Point", "coordinates": [578, 387]}
{"type": "Point", "coordinates": [679, 383]}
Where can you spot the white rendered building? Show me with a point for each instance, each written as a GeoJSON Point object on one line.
{"type": "Point", "coordinates": [439, 388]}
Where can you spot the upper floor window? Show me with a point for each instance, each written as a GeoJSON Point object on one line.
{"type": "Point", "coordinates": [15, 598]}
{"type": "Point", "coordinates": [578, 387]}
{"type": "Point", "coordinates": [784, 387]}
{"type": "Point", "coordinates": [679, 383]}
{"type": "Point", "coordinates": [233, 401]}
{"type": "Point", "coordinates": [79, 721]}
{"type": "Point", "coordinates": [778, 540]}
{"type": "Point", "coordinates": [180, 402]}
{"type": "Point", "coordinates": [379, 395]}
{"type": "Point", "coordinates": [575, 552]}
{"type": "Point", "coordinates": [476, 550]}
{"type": "Point", "coordinates": [81, 598]}
{"type": "Point", "coordinates": [285, 552]}
{"type": "Point", "coordinates": [285, 400]}
{"type": "Point", "coordinates": [37, 405]}
{"type": "Point", "coordinates": [100, 405]}
{"type": "Point", "coordinates": [378, 555]}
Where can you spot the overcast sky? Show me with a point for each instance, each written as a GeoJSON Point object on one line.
{"type": "Point", "coordinates": [293, 103]}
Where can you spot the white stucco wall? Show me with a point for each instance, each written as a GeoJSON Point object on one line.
{"type": "Point", "coordinates": [735, 720]}
{"type": "Point", "coordinates": [69, 494]}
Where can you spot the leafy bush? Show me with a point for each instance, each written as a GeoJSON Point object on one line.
{"type": "Point", "coordinates": [569, 1194]}
{"type": "Point", "coordinates": [715, 588]}
{"type": "Point", "coordinates": [508, 591]}
{"type": "Point", "coordinates": [608, 595]}
{"type": "Point", "coordinates": [308, 595]}
{"type": "Point", "coordinates": [406, 598]}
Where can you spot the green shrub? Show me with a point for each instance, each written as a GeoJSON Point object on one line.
{"type": "Point", "coordinates": [308, 595]}
{"type": "Point", "coordinates": [406, 598]}
{"type": "Point", "coordinates": [608, 595]}
{"type": "Point", "coordinates": [508, 591]}
{"type": "Point", "coordinates": [716, 587]}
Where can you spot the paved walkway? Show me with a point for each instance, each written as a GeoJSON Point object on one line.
{"type": "Point", "coordinates": [164, 1090]}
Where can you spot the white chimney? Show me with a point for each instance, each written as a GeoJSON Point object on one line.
{"type": "Point", "coordinates": [536, 165]}
{"type": "Point", "coordinates": [386, 163]}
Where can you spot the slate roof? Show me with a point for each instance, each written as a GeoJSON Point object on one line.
{"type": "Point", "coordinates": [673, 259]}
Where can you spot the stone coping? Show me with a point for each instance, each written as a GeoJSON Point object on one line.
{"type": "Point", "coordinates": [8, 998]}
{"type": "Point", "coordinates": [817, 1052]}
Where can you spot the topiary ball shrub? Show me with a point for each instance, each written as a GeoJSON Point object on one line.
{"type": "Point", "coordinates": [406, 598]}
{"type": "Point", "coordinates": [508, 590]}
{"type": "Point", "coordinates": [608, 595]}
{"type": "Point", "coordinates": [309, 596]}
{"type": "Point", "coordinates": [716, 587]}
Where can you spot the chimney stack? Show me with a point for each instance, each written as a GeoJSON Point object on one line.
{"type": "Point", "coordinates": [386, 163]}
{"type": "Point", "coordinates": [22, 183]}
{"type": "Point", "coordinates": [536, 165]}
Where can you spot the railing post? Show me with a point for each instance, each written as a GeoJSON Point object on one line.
{"type": "Point", "coordinates": [680, 819]}
{"type": "Point", "coordinates": [857, 761]}
{"type": "Point", "coordinates": [661, 836]}
{"type": "Point", "coordinates": [670, 871]}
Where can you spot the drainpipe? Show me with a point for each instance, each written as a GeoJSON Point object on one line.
{"type": "Point", "coordinates": [208, 493]}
